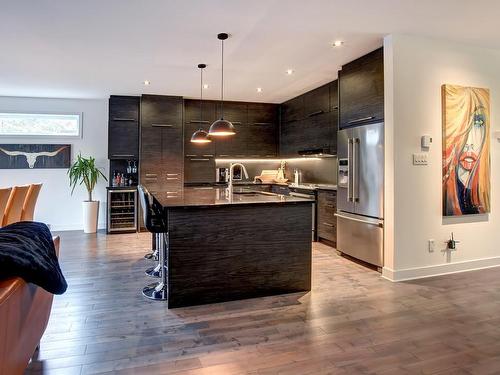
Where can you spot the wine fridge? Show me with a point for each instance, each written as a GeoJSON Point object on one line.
{"type": "Point", "coordinates": [122, 210]}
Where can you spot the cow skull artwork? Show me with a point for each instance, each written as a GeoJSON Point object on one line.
{"type": "Point", "coordinates": [31, 157]}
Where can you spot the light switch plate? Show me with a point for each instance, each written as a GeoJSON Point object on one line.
{"type": "Point", "coordinates": [420, 158]}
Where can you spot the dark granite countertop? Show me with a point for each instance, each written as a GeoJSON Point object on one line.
{"type": "Point", "coordinates": [220, 196]}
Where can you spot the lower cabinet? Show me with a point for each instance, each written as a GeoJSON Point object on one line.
{"type": "Point", "coordinates": [327, 221]}
{"type": "Point", "coordinates": [199, 169]}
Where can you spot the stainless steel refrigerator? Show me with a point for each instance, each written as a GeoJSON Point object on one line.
{"type": "Point", "coordinates": [360, 193]}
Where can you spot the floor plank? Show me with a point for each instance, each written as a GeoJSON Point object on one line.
{"type": "Point", "coordinates": [352, 322]}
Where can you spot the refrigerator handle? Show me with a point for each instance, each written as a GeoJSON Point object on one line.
{"type": "Point", "coordinates": [355, 187]}
{"type": "Point", "coordinates": [349, 169]}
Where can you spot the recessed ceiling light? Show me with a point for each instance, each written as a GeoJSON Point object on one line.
{"type": "Point", "coordinates": [205, 86]}
{"type": "Point", "coordinates": [259, 89]}
{"type": "Point", "coordinates": [147, 83]}
{"type": "Point", "coordinates": [338, 43]}
{"type": "Point", "coordinates": [289, 72]}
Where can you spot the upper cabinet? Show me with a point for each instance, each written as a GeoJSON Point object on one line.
{"type": "Point", "coordinates": [361, 90]}
{"type": "Point", "coordinates": [317, 101]}
{"type": "Point", "coordinates": [123, 127]}
{"type": "Point", "coordinates": [309, 123]}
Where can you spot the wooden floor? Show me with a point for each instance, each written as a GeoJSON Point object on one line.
{"type": "Point", "coordinates": [353, 322]}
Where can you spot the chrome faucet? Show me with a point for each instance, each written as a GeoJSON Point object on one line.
{"type": "Point", "coordinates": [231, 174]}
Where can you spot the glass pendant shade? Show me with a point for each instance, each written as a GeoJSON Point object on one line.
{"type": "Point", "coordinates": [200, 136]}
{"type": "Point", "coordinates": [221, 128]}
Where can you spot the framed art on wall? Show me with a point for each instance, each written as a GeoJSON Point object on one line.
{"type": "Point", "coordinates": [466, 150]}
{"type": "Point", "coordinates": [34, 156]}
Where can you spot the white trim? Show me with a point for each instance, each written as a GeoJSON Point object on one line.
{"type": "Point", "coordinates": [439, 269]}
{"type": "Point", "coordinates": [73, 226]}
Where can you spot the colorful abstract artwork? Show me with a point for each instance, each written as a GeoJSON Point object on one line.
{"type": "Point", "coordinates": [466, 150]}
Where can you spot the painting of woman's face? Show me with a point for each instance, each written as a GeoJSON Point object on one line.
{"type": "Point", "coordinates": [466, 154]}
{"type": "Point", "coordinates": [474, 143]}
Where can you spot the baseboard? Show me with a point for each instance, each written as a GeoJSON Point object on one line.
{"type": "Point", "coordinates": [440, 269]}
{"type": "Point", "coordinates": [74, 226]}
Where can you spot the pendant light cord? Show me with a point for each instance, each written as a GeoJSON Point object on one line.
{"type": "Point", "coordinates": [201, 95]}
{"type": "Point", "coordinates": [222, 84]}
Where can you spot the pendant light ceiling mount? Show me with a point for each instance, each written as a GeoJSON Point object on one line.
{"type": "Point", "coordinates": [222, 128]}
{"type": "Point", "coordinates": [201, 136]}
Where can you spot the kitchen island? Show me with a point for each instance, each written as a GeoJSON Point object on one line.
{"type": "Point", "coordinates": [227, 245]}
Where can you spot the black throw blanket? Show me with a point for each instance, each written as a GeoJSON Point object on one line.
{"type": "Point", "coordinates": [27, 251]}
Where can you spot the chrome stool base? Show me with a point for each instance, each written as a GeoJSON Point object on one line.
{"type": "Point", "coordinates": [154, 271]}
{"type": "Point", "coordinates": [156, 291]}
{"type": "Point", "coordinates": [152, 256]}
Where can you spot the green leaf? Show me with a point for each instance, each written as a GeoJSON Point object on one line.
{"type": "Point", "coordinates": [84, 172]}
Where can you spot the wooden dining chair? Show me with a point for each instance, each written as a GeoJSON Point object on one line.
{"type": "Point", "coordinates": [30, 202]}
{"type": "Point", "coordinates": [14, 208]}
{"type": "Point", "coordinates": [4, 198]}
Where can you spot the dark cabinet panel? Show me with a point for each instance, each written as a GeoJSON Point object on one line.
{"type": "Point", "coordinates": [334, 95]}
{"type": "Point", "coordinates": [291, 138]}
{"type": "Point", "coordinates": [319, 132]}
{"type": "Point", "coordinates": [161, 111]}
{"type": "Point", "coordinates": [236, 112]}
{"type": "Point", "coordinates": [293, 109]}
{"type": "Point", "coordinates": [162, 156]}
{"type": "Point", "coordinates": [262, 141]}
{"type": "Point", "coordinates": [123, 127]}
{"type": "Point", "coordinates": [233, 145]}
{"type": "Point", "coordinates": [317, 101]}
{"type": "Point", "coordinates": [199, 170]}
{"type": "Point", "coordinates": [361, 90]}
{"type": "Point", "coordinates": [262, 114]}
{"type": "Point", "coordinates": [327, 222]}
{"type": "Point", "coordinates": [204, 115]}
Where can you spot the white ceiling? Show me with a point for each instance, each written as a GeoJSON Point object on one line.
{"type": "Point", "coordinates": [94, 48]}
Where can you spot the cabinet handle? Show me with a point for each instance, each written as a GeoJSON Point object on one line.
{"type": "Point", "coordinates": [161, 125]}
{"type": "Point", "coordinates": [172, 192]}
{"type": "Point", "coordinates": [191, 156]}
{"type": "Point", "coordinates": [172, 174]}
{"type": "Point", "coordinates": [198, 122]}
{"type": "Point", "coordinates": [328, 224]}
{"type": "Point", "coordinates": [151, 175]}
{"type": "Point", "coordinates": [123, 155]}
{"type": "Point", "coordinates": [315, 113]}
{"type": "Point", "coordinates": [208, 156]}
{"type": "Point", "coordinates": [172, 178]}
{"type": "Point", "coordinates": [361, 119]}
{"type": "Point", "coordinates": [199, 159]}
{"type": "Point", "coordinates": [262, 123]}
{"type": "Point", "coordinates": [123, 119]}
{"type": "Point", "coordinates": [223, 156]}
{"type": "Point", "coordinates": [336, 107]}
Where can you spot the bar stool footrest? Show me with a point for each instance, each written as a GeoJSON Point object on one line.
{"type": "Point", "coordinates": [156, 291]}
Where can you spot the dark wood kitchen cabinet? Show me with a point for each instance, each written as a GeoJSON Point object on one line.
{"type": "Point", "coordinates": [327, 221]}
{"type": "Point", "coordinates": [199, 161]}
{"type": "Point", "coordinates": [361, 90]}
{"type": "Point", "coordinates": [314, 130]}
{"type": "Point", "coordinates": [233, 145]}
{"type": "Point", "coordinates": [123, 127]}
{"type": "Point", "coordinates": [162, 156]}
{"type": "Point", "coordinates": [334, 96]}
{"type": "Point", "coordinates": [317, 101]}
{"type": "Point", "coordinates": [262, 131]}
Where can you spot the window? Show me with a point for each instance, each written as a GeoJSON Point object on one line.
{"type": "Point", "coordinates": [40, 125]}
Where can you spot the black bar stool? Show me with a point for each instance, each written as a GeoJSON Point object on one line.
{"type": "Point", "coordinates": [156, 223]}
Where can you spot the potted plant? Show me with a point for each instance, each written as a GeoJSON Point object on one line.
{"type": "Point", "coordinates": [84, 171]}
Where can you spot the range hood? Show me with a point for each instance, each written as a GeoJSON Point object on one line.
{"type": "Point", "coordinates": [317, 152]}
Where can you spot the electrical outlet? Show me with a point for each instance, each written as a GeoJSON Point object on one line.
{"type": "Point", "coordinates": [432, 245]}
{"type": "Point", "coordinates": [420, 158]}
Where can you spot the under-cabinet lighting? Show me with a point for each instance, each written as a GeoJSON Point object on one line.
{"type": "Point", "coordinates": [266, 160]}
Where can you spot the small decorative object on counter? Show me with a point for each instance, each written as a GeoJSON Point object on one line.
{"type": "Point", "coordinates": [280, 179]}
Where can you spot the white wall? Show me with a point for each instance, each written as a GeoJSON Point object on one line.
{"type": "Point", "coordinates": [56, 206]}
{"type": "Point", "coordinates": [415, 70]}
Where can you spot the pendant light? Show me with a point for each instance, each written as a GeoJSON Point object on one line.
{"type": "Point", "coordinates": [221, 128]}
{"type": "Point", "coordinates": [201, 136]}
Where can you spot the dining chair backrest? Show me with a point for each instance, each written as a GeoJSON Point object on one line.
{"type": "Point", "coordinates": [14, 208]}
{"type": "Point", "coordinates": [4, 198]}
{"type": "Point", "coordinates": [30, 202]}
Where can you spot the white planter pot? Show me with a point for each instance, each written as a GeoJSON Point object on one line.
{"type": "Point", "coordinates": [90, 216]}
